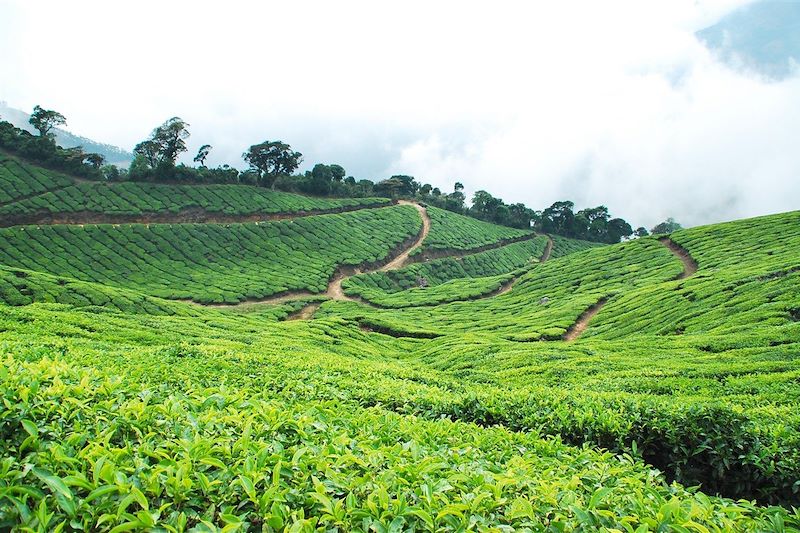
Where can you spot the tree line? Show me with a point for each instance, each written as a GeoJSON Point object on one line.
{"type": "Point", "coordinates": [273, 164]}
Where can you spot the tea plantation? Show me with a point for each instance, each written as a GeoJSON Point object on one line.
{"type": "Point", "coordinates": [453, 232]}
{"type": "Point", "coordinates": [212, 263]}
{"type": "Point", "coordinates": [33, 195]}
{"type": "Point", "coordinates": [19, 180]}
{"type": "Point", "coordinates": [130, 201]}
{"type": "Point", "coordinates": [205, 377]}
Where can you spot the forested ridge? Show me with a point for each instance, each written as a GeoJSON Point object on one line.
{"type": "Point", "coordinates": [273, 164]}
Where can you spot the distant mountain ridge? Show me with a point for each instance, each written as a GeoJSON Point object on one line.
{"type": "Point", "coordinates": [114, 155]}
{"type": "Point", "coordinates": [763, 36]}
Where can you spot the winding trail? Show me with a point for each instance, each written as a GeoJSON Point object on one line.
{"type": "Point", "coordinates": [440, 253]}
{"type": "Point", "coordinates": [305, 313]}
{"type": "Point", "coordinates": [548, 249]}
{"type": "Point", "coordinates": [580, 325]}
{"type": "Point", "coordinates": [334, 290]}
{"type": "Point", "coordinates": [403, 258]}
{"type": "Point", "coordinates": [689, 269]}
{"type": "Point", "coordinates": [689, 263]}
{"type": "Point", "coordinates": [504, 288]}
{"type": "Point", "coordinates": [507, 286]}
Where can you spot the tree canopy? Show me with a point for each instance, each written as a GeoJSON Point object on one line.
{"type": "Point", "coordinates": [592, 224]}
{"type": "Point", "coordinates": [273, 163]}
{"type": "Point", "coordinates": [397, 185]}
{"type": "Point", "coordinates": [202, 153]}
{"type": "Point", "coordinates": [164, 145]}
{"type": "Point", "coordinates": [272, 159]}
{"type": "Point", "coordinates": [44, 120]}
{"type": "Point", "coordinates": [43, 150]}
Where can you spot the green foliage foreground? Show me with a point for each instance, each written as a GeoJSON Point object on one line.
{"type": "Point", "coordinates": [225, 431]}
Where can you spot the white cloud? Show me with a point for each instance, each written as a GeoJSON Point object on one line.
{"type": "Point", "coordinates": [612, 103]}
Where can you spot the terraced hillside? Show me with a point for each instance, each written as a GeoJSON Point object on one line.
{"type": "Point", "coordinates": [452, 233]}
{"type": "Point", "coordinates": [212, 263]}
{"type": "Point", "coordinates": [148, 202]}
{"type": "Point", "coordinates": [33, 195]}
{"type": "Point", "coordinates": [19, 181]}
{"type": "Point", "coordinates": [397, 369]}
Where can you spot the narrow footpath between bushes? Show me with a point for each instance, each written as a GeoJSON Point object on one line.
{"type": "Point", "coordinates": [689, 264]}
{"type": "Point", "coordinates": [334, 290]}
{"type": "Point", "coordinates": [508, 285]}
{"type": "Point", "coordinates": [402, 259]}
{"type": "Point", "coordinates": [580, 325]}
{"type": "Point", "coordinates": [689, 269]}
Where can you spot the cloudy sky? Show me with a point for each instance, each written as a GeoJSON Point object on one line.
{"type": "Point", "coordinates": [613, 103]}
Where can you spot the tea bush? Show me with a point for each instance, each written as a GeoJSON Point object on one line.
{"type": "Point", "coordinates": [20, 180]}
{"type": "Point", "coordinates": [451, 231]}
{"type": "Point", "coordinates": [129, 199]}
{"type": "Point", "coordinates": [203, 425]}
{"type": "Point", "coordinates": [212, 263]}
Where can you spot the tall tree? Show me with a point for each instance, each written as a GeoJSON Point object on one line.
{"type": "Point", "coordinates": [485, 206]}
{"type": "Point", "coordinates": [147, 151]}
{"type": "Point", "coordinates": [520, 216]}
{"type": "Point", "coordinates": [337, 172]}
{"type": "Point", "coordinates": [617, 229]}
{"type": "Point", "coordinates": [166, 142]}
{"type": "Point", "coordinates": [45, 120]}
{"type": "Point", "coordinates": [96, 160]}
{"type": "Point", "coordinates": [397, 185]}
{"type": "Point", "coordinates": [202, 153]}
{"type": "Point", "coordinates": [322, 172]}
{"type": "Point", "coordinates": [559, 218]}
{"type": "Point", "coordinates": [272, 159]}
{"type": "Point", "coordinates": [455, 200]}
{"type": "Point", "coordinates": [592, 223]}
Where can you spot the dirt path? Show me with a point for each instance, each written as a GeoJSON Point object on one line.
{"type": "Point", "coordinates": [580, 325]}
{"type": "Point", "coordinates": [401, 260]}
{"type": "Point", "coordinates": [507, 286]}
{"type": "Point", "coordinates": [548, 249]}
{"type": "Point", "coordinates": [689, 264]}
{"type": "Point", "coordinates": [306, 313]}
{"type": "Point", "coordinates": [689, 268]}
{"type": "Point", "coordinates": [440, 253]}
{"type": "Point", "coordinates": [334, 290]}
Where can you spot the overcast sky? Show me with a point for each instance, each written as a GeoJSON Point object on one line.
{"type": "Point", "coordinates": [611, 103]}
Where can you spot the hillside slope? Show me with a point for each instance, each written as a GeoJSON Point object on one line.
{"type": "Point", "coordinates": [535, 382]}
{"type": "Point", "coordinates": [34, 195]}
